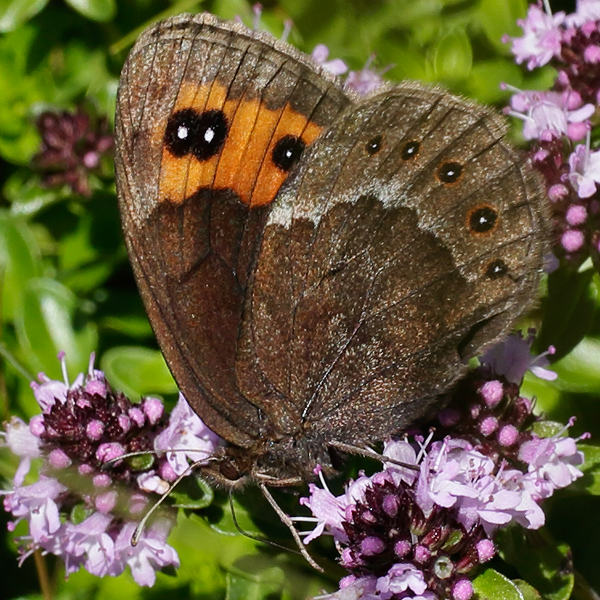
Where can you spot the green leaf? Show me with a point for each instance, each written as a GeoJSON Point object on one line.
{"type": "Point", "coordinates": [453, 56]}
{"type": "Point", "coordinates": [590, 482]}
{"type": "Point", "coordinates": [491, 585]}
{"type": "Point", "coordinates": [569, 308]}
{"type": "Point", "coordinates": [486, 76]}
{"type": "Point", "coordinates": [19, 261]}
{"type": "Point", "coordinates": [137, 371]}
{"type": "Point", "coordinates": [257, 581]}
{"type": "Point", "coordinates": [96, 10]}
{"type": "Point", "coordinates": [193, 493]}
{"type": "Point", "coordinates": [45, 324]}
{"type": "Point", "coordinates": [500, 18]}
{"type": "Point", "coordinates": [13, 13]}
{"type": "Point", "coordinates": [540, 560]}
{"type": "Point", "coordinates": [28, 197]}
{"type": "Point", "coordinates": [527, 591]}
{"type": "Point", "coordinates": [579, 371]}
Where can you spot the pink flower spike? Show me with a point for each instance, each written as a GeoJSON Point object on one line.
{"type": "Point", "coordinates": [106, 502]}
{"type": "Point", "coordinates": [462, 590]}
{"type": "Point", "coordinates": [492, 392]}
{"type": "Point", "coordinates": [95, 429]}
{"type": "Point", "coordinates": [109, 451]}
{"type": "Point", "coordinates": [592, 54]}
{"type": "Point", "coordinates": [58, 459]}
{"type": "Point", "coordinates": [572, 240]}
{"type": "Point", "coordinates": [153, 409]}
{"type": "Point", "coordinates": [485, 550]}
{"type": "Point", "coordinates": [576, 215]}
{"type": "Point", "coordinates": [508, 435]}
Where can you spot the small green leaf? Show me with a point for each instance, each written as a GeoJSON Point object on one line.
{"type": "Point", "coordinates": [500, 18]}
{"type": "Point", "coordinates": [137, 371]}
{"type": "Point", "coordinates": [14, 13]}
{"type": "Point", "coordinates": [491, 585]}
{"type": "Point", "coordinates": [96, 10]}
{"type": "Point", "coordinates": [19, 261]}
{"type": "Point", "coordinates": [453, 56]}
{"type": "Point", "coordinates": [540, 560]}
{"type": "Point", "coordinates": [193, 493]}
{"type": "Point", "coordinates": [528, 592]}
{"type": "Point", "coordinates": [569, 308]}
{"type": "Point", "coordinates": [590, 482]}
{"type": "Point", "coordinates": [486, 76]}
{"type": "Point", "coordinates": [579, 371]}
{"type": "Point", "coordinates": [45, 324]}
{"type": "Point", "coordinates": [256, 581]}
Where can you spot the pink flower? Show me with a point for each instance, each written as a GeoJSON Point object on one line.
{"type": "Point", "coordinates": [547, 115]}
{"type": "Point", "coordinates": [587, 11]}
{"type": "Point", "coordinates": [541, 40]}
{"type": "Point", "coordinates": [151, 553]}
{"type": "Point", "coordinates": [512, 358]}
{"type": "Point", "coordinates": [336, 66]}
{"type": "Point", "coordinates": [23, 443]}
{"type": "Point", "coordinates": [584, 170]}
{"type": "Point", "coordinates": [401, 578]}
{"type": "Point", "coordinates": [188, 435]}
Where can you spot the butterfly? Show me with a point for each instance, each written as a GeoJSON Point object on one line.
{"type": "Point", "coordinates": [317, 267]}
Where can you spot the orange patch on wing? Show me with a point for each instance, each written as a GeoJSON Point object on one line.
{"type": "Point", "coordinates": [244, 163]}
{"type": "Point", "coordinates": [270, 177]}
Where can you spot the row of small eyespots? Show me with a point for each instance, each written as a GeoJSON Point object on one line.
{"type": "Point", "coordinates": [203, 136]}
{"type": "Point", "coordinates": [481, 219]}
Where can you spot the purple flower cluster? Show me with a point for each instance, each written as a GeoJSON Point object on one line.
{"type": "Point", "coordinates": [72, 148]}
{"type": "Point", "coordinates": [363, 82]}
{"type": "Point", "coordinates": [423, 526]}
{"type": "Point", "coordinates": [559, 121]}
{"type": "Point", "coordinates": [101, 457]}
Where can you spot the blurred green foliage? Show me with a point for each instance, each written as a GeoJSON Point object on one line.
{"type": "Point", "coordinates": [66, 283]}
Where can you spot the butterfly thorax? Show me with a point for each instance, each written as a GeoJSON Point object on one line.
{"type": "Point", "coordinates": [282, 462]}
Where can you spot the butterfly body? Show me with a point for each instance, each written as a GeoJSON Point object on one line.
{"type": "Point", "coordinates": [316, 267]}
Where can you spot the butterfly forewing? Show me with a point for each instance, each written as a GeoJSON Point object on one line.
{"type": "Point", "coordinates": [211, 117]}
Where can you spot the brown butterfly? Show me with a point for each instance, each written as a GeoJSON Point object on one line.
{"type": "Point", "coordinates": [316, 267]}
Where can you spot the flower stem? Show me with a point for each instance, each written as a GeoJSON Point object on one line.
{"type": "Point", "coordinates": [42, 571]}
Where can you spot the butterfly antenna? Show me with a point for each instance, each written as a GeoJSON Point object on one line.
{"type": "Point", "coordinates": [259, 538]}
{"type": "Point", "coordinates": [135, 538]}
{"type": "Point", "coordinates": [287, 521]}
{"type": "Point", "coordinates": [367, 452]}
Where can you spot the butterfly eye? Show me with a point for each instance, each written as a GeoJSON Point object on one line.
{"type": "Point", "coordinates": [482, 219]}
{"type": "Point", "coordinates": [202, 135]}
{"type": "Point", "coordinates": [496, 269]}
{"type": "Point", "coordinates": [287, 151]}
{"type": "Point", "coordinates": [410, 150]}
{"type": "Point", "coordinates": [450, 172]}
{"type": "Point", "coordinates": [374, 145]}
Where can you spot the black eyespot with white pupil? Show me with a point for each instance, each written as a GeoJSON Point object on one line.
{"type": "Point", "coordinates": [450, 172]}
{"type": "Point", "coordinates": [374, 145]}
{"type": "Point", "coordinates": [287, 152]}
{"type": "Point", "coordinates": [200, 134]}
{"type": "Point", "coordinates": [496, 269]}
{"type": "Point", "coordinates": [482, 219]}
{"type": "Point", "coordinates": [410, 150]}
